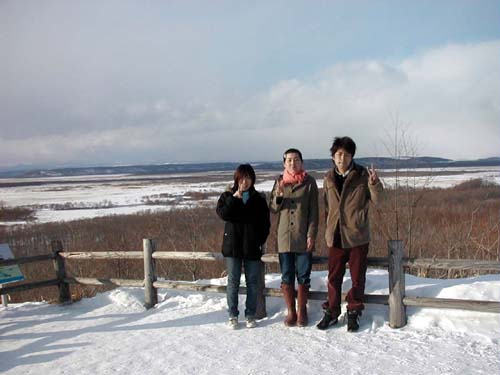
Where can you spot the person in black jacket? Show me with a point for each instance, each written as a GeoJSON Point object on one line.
{"type": "Point", "coordinates": [246, 228]}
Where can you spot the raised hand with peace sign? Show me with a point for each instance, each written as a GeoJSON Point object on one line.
{"type": "Point", "coordinates": [372, 176]}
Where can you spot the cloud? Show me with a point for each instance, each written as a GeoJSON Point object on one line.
{"type": "Point", "coordinates": [448, 96]}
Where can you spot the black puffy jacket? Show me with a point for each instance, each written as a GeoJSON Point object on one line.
{"type": "Point", "coordinates": [246, 225]}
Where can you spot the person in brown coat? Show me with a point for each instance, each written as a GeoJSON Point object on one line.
{"type": "Point", "coordinates": [348, 190]}
{"type": "Point", "coordinates": [294, 199]}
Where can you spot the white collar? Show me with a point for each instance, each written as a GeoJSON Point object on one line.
{"type": "Point", "coordinates": [347, 172]}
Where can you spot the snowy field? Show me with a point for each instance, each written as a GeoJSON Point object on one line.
{"type": "Point", "coordinates": [71, 198]}
{"type": "Point", "coordinates": [186, 333]}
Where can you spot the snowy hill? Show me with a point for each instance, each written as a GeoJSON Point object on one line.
{"type": "Point", "coordinates": [312, 164]}
{"type": "Point", "coordinates": [186, 334]}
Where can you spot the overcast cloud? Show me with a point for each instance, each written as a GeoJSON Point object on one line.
{"type": "Point", "coordinates": [119, 82]}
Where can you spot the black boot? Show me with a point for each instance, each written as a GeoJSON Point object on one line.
{"type": "Point", "coordinates": [327, 320]}
{"type": "Point", "coordinates": [353, 320]}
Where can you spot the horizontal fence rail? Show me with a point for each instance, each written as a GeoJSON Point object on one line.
{"type": "Point", "coordinates": [26, 260]}
{"type": "Point", "coordinates": [6, 289]}
{"type": "Point", "coordinates": [106, 282]}
{"type": "Point", "coordinates": [450, 303]}
{"type": "Point", "coordinates": [102, 255]}
{"type": "Point", "coordinates": [466, 264]}
{"type": "Point", "coordinates": [453, 264]}
{"type": "Point", "coordinates": [431, 263]}
{"type": "Point", "coordinates": [397, 300]}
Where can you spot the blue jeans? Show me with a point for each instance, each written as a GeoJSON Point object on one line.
{"type": "Point", "coordinates": [252, 272]}
{"type": "Point", "coordinates": [296, 264]}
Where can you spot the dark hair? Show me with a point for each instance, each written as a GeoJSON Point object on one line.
{"type": "Point", "coordinates": [343, 142]}
{"type": "Point", "coordinates": [292, 151]}
{"type": "Point", "coordinates": [243, 170]}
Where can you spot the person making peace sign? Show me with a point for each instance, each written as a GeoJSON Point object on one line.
{"type": "Point", "coordinates": [348, 189]}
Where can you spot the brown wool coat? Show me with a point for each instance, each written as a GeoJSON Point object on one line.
{"type": "Point", "coordinates": [350, 209]}
{"type": "Point", "coordinates": [298, 214]}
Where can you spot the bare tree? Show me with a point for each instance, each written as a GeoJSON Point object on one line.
{"type": "Point", "coordinates": [403, 146]}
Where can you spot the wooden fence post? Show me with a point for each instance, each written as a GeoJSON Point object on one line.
{"type": "Point", "coordinates": [261, 313]}
{"type": "Point", "coordinates": [397, 310]}
{"type": "Point", "coordinates": [59, 267]}
{"type": "Point", "coordinates": [150, 292]}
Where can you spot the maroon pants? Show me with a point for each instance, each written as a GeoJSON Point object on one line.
{"type": "Point", "coordinates": [337, 259]}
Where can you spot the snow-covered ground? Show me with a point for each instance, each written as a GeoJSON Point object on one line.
{"type": "Point", "coordinates": [186, 333]}
{"type": "Point", "coordinates": [445, 177]}
{"type": "Point", "coordinates": [93, 199]}
{"type": "Point", "coordinates": [92, 196]}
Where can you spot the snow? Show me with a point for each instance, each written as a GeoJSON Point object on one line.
{"type": "Point", "coordinates": [93, 199]}
{"type": "Point", "coordinates": [186, 333]}
{"type": "Point", "coordinates": [445, 180]}
{"type": "Point", "coordinates": [95, 196]}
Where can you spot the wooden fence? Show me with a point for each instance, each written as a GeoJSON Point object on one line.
{"type": "Point", "coordinates": [394, 262]}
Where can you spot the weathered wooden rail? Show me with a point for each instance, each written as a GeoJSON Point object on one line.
{"type": "Point", "coordinates": [394, 262]}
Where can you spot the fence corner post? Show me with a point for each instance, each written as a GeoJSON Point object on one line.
{"type": "Point", "coordinates": [397, 309]}
{"type": "Point", "coordinates": [59, 267]}
{"type": "Point", "coordinates": [261, 312]}
{"type": "Point", "coordinates": [150, 292]}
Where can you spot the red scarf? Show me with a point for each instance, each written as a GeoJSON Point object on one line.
{"type": "Point", "coordinates": [294, 179]}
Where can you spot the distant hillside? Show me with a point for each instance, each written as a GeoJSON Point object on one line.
{"type": "Point", "coordinates": [311, 164]}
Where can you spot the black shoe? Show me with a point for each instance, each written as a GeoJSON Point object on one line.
{"type": "Point", "coordinates": [327, 321]}
{"type": "Point", "coordinates": [353, 320]}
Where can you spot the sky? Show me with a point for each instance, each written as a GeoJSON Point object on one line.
{"type": "Point", "coordinates": [187, 333]}
{"type": "Point", "coordinates": [131, 82]}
